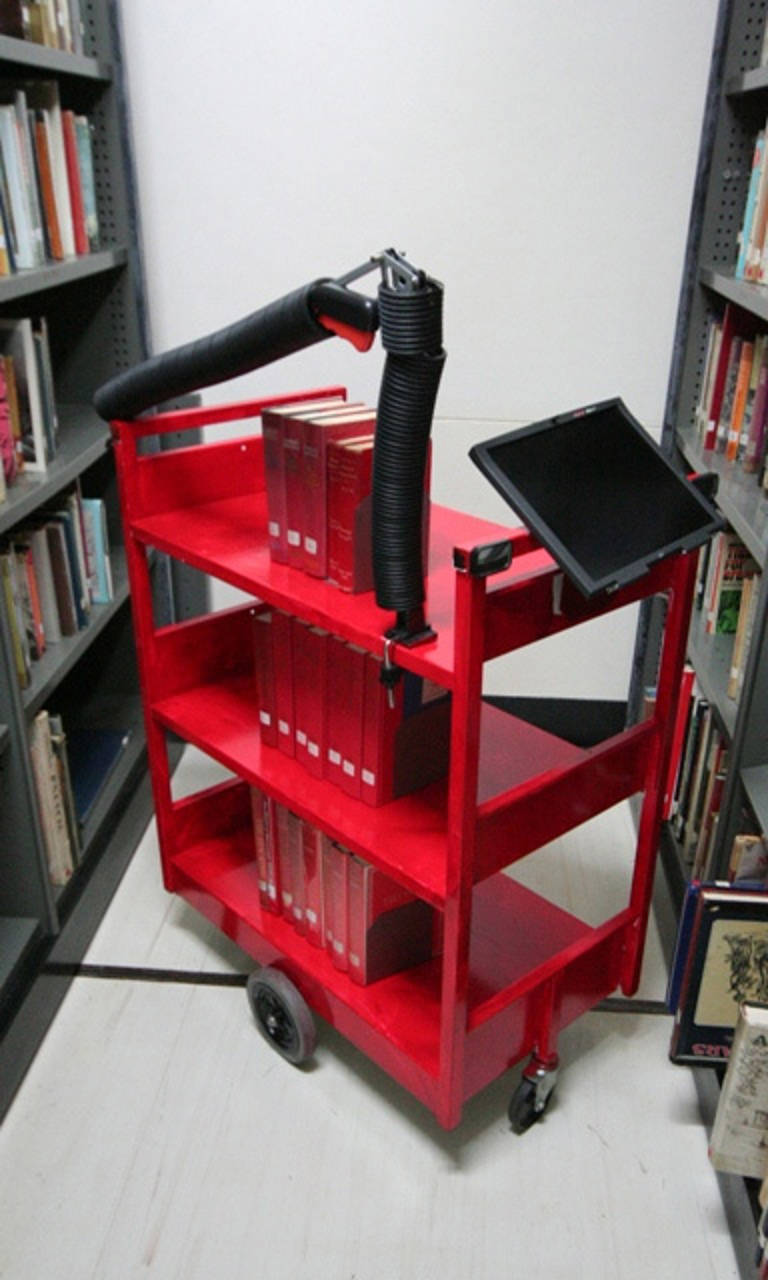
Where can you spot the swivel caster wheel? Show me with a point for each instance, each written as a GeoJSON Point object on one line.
{"type": "Point", "coordinates": [531, 1097]}
{"type": "Point", "coordinates": [282, 1015]}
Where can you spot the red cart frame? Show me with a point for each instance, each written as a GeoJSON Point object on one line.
{"type": "Point", "coordinates": [514, 968]}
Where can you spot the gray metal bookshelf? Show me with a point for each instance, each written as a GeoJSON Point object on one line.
{"type": "Point", "coordinates": [96, 321]}
{"type": "Point", "coordinates": [736, 108]}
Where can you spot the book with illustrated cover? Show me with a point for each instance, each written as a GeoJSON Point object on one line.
{"type": "Point", "coordinates": [727, 964]}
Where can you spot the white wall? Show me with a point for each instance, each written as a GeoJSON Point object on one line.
{"type": "Point", "coordinates": [538, 158]}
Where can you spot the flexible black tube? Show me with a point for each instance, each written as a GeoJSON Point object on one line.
{"type": "Point", "coordinates": [276, 330]}
{"type": "Point", "coordinates": [411, 331]}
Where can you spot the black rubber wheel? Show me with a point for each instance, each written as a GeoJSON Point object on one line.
{"type": "Point", "coordinates": [282, 1015]}
{"type": "Point", "coordinates": [523, 1111]}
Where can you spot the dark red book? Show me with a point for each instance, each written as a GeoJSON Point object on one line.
{"type": "Point", "coordinates": [388, 928]}
{"type": "Point", "coordinates": [265, 853]}
{"type": "Point", "coordinates": [345, 676]}
{"type": "Point", "coordinates": [319, 430]}
{"type": "Point", "coordinates": [405, 745]}
{"type": "Point", "coordinates": [290, 865]}
{"type": "Point", "coordinates": [335, 901]}
{"type": "Point", "coordinates": [272, 423]}
{"type": "Point", "coordinates": [736, 325]}
{"type": "Point", "coordinates": [282, 659]}
{"type": "Point", "coordinates": [350, 471]}
{"type": "Point", "coordinates": [312, 851]}
{"type": "Point", "coordinates": [264, 675]}
{"type": "Point", "coordinates": [309, 684]}
{"type": "Point", "coordinates": [73, 181]}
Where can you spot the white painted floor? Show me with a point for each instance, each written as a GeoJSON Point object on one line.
{"type": "Point", "coordinates": [156, 1134]}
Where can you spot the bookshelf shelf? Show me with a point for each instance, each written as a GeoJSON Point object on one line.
{"type": "Point", "coordinates": [27, 283]}
{"type": "Point", "coordinates": [25, 57]}
{"type": "Point", "coordinates": [512, 969]}
{"type": "Point", "coordinates": [59, 659]}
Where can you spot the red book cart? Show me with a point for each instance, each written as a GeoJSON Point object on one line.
{"type": "Point", "coordinates": [513, 969]}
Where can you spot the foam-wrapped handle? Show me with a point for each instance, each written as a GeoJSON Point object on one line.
{"type": "Point", "coordinates": [277, 330]}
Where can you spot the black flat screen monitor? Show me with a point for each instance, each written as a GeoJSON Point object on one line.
{"type": "Point", "coordinates": [598, 493]}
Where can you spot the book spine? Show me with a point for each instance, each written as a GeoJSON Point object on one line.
{"type": "Point", "coordinates": [272, 433]}
{"type": "Point", "coordinates": [292, 439]}
{"type": "Point", "coordinates": [264, 674]}
{"type": "Point", "coordinates": [350, 562]}
{"type": "Point", "coordinates": [309, 685]}
{"type": "Point", "coordinates": [282, 651]}
{"type": "Point", "coordinates": [335, 902]}
{"type": "Point", "coordinates": [312, 854]}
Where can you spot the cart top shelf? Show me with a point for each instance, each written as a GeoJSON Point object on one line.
{"type": "Point", "coordinates": [206, 505]}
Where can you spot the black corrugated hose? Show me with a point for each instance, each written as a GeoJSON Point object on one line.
{"type": "Point", "coordinates": [411, 332]}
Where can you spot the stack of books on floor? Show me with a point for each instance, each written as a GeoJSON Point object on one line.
{"type": "Point", "coordinates": [322, 701]}
{"type": "Point", "coordinates": [369, 925]}
{"type": "Point", "coordinates": [53, 572]}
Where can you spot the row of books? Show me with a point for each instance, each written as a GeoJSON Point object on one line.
{"type": "Point", "coordinates": [718, 965]}
{"type": "Point", "coordinates": [369, 924]}
{"type": "Point", "coordinates": [727, 592]}
{"type": "Point", "coordinates": [733, 404]}
{"type": "Point", "coordinates": [318, 458]}
{"type": "Point", "coordinates": [29, 422]}
{"type": "Point", "coordinates": [53, 571]}
{"type": "Point", "coordinates": [297, 439]}
{"type": "Point", "coordinates": [698, 790]}
{"type": "Point", "coordinates": [47, 184]}
{"type": "Point", "coordinates": [69, 768]}
{"type": "Point", "coordinates": [752, 246]}
{"type": "Point", "coordinates": [322, 701]}
{"type": "Point", "coordinates": [54, 23]}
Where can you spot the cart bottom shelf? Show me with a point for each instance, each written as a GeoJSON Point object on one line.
{"type": "Point", "coordinates": [529, 960]}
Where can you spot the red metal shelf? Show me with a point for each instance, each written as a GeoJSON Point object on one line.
{"type": "Point", "coordinates": [226, 538]}
{"type": "Point", "coordinates": [407, 837]}
{"type": "Point", "coordinates": [518, 940]}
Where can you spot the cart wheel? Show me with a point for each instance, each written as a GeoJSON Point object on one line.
{"type": "Point", "coordinates": [531, 1099]}
{"type": "Point", "coordinates": [282, 1015]}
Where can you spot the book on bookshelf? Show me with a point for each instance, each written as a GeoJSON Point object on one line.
{"type": "Point", "coordinates": [97, 552]}
{"type": "Point", "coordinates": [309, 650]}
{"type": "Point", "coordinates": [94, 752]}
{"type": "Point", "coordinates": [17, 341]}
{"type": "Point", "coordinates": [345, 675]}
{"type": "Point", "coordinates": [350, 473]}
{"type": "Point", "coordinates": [264, 675]}
{"type": "Point", "coordinates": [317, 432]}
{"type": "Point", "coordinates": [388, 928]}
{"type": "Point", "coordinates": [739, 1140]}
{"type": "Point", "coordinates": [336, 903]}
{"type": "Point", "coordinates": [312, 867]}
{"type": "Point", "coordinates": [405, 738]}
{"type": "Point", "coordinates": [724, 967]}
{"type": "Point", "coordinates": [51, 803]}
